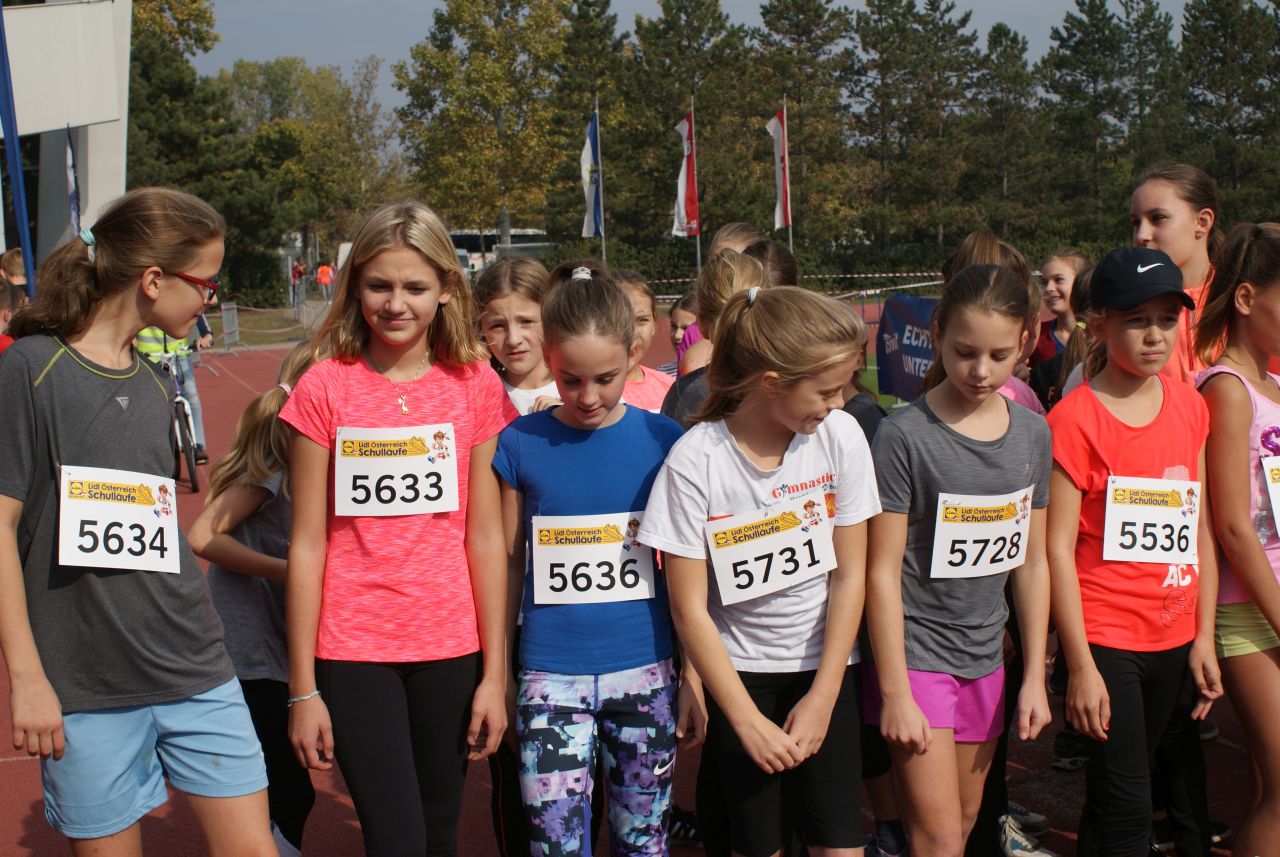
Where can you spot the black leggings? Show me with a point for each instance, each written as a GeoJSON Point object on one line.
{"type": "Point", "coordinates": [400, 737]}
{"type": "Point", "coordinates": [1144, 688]}
{"type": "Point", "coordinates": [289, 792]}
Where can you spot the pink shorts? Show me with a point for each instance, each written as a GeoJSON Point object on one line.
{"type": "Point", "coordinates": [973, 707]}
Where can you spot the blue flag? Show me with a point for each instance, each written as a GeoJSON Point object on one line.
{"type": "Point", "coordinates": [592, 187]}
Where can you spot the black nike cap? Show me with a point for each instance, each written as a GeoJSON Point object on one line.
{"type": "Point", "coordinates": [1133, 275]}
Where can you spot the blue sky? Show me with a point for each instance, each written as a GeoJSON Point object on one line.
{"type": "Point", "coordinates": [340, 32]}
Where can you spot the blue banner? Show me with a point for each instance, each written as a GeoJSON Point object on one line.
{"type": "Point", "coordinates": [13, 158]}
{"type": "Point", "coordinates": [904, 350]}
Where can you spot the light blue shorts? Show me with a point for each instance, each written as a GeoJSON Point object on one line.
{"type": "Point", "coordinates": [116, 760]}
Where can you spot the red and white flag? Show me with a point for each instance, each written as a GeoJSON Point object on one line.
{"type": "Point", "coordinates": [781, 169]}
{"type": "Point", "coordinates": [686, 215]}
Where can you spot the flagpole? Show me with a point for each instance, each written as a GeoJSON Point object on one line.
{"type": "Point", "coordinates": [786, 173]}
{"type": "Point", "coordinates": [698, 237]}
{"type": "Point", "coordinates": [604, 252]}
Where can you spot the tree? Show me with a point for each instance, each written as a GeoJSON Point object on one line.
{"type": "Point", "coordinates": [187, 24]}
{"type": "Point", "coordinates": [800, 49]}
{"type": "Point", "coordinates": [1002, 136]}
{"type": "Point", "coordinates": [1156, 126]}
{"type": "Point", "coordinates": [477, 122]}
{"type": "Point", "coordinates": [1229, 56]}
{"type": "Point", "coordinates": [1086, 104]}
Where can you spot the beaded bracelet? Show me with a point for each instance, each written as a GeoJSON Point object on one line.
{"type": "Point", "coordinates": [289, 703]}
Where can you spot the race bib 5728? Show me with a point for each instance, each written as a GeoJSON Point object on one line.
{"type": "Point", "coordinates": [380, 472]}
{"type": "Point", "coordinates": [117, 519]}
{"type": "Point", "coordinates": [770, 549]}
{"type": "Point", "coordinates": [977, 535]}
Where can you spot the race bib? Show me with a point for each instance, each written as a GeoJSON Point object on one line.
{"type": "Point", "coordinates": [379, 472]}
{"type": "Point", "coordinates": [590, 559]}
{"type": "Point", "coordinates": [1271, 473]}
{"type": "Point", "coordinates": [117, 519]}
{"type": "Point", "coordinates": [980, 535]}
{"type": "Point", "coordinates": [767, 550]}
{"type": "Point", "coordinates": [1151, 520]}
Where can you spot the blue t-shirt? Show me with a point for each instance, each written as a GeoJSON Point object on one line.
{"type": "Point", "coordinates": [567, 471]}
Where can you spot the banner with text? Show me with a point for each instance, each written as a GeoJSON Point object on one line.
{"type": "Point", "coordinates": [904, 351]}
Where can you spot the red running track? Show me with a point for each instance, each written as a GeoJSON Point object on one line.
{"type": "Point", "coordinates": [333, 830]}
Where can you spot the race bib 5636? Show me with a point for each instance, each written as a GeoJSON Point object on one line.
{"type": "Point", "coordinates": [590, 559]}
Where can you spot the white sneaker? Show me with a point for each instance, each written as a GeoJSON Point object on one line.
{"type": "Point", "coordinates": [1031, 823]}
{"type": "Point", "coordinates": [284, 846]}
{"type": "Point", "coordinates": [1015, 843]}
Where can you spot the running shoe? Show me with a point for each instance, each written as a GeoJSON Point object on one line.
{"type": "Point", "coordinates": [1015, 843]}
{"type": "Point", "coordinates": [872, 849]}
{"type": "Point", "coordinates": [1162, 834]}
{"type": "Point", "coordinates": [1070, 750]}
{"type": "Point", "coordinates": [683, 828]}
{"type": "Point", "coordinates": [202, 457]}
{"type": "Point", "coordinates": [1030, 823]}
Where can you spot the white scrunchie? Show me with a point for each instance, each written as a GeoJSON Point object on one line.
{"type": "Point", "coordinates": [581, 273]}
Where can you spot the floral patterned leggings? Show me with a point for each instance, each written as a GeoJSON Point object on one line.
{"type": "Point", "coordinates": [561, 720]}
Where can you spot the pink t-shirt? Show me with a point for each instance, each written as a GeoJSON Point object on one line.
{"type": "Point", "coordinates": [1016, 390]}
{"type": "Point", "coordinates": [692, 334]}
{"type": "Point", "coordinates": [649, 392]}
{"type": "Point", "coordinates": [398, 588]}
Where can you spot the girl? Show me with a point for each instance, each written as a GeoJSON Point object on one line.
{"type": "Point", "coordinates": [118, 673]}
{"type": "Point", "coordinates": [1124, 523]}
{"type": "Point", "coordinates": [681, 315]}
{"type": "Point", "coordinates": [859, 400]}
{"type": "Point", "coordinates": [595, 646]}
{"type": "Point", "coordinates": [509, 294]}
{"type": "Point", "coordinates": [646, 388]}
{"type": "Point", "coordinates": [760, 510]}
{"type": "Point", "coordinates": [1058, 273]}
{"type": "Point", "coordinates": [736, 237]}
{"type": "Point", "coordinates": [1174, 209]}
{"type": "Point", "coordinates": [949, 466]}
{"type": "Point", "coordinates": [243, 532]}
{"type": "Point", "coordinates": [397, 578]}
{"type": "Point", "coordinates": [1244, 407]}
{"type": "Point", "coordinates": [722, 277]}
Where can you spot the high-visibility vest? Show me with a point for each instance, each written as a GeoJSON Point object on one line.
{"type": "Point", "coordinates": [154, 341]}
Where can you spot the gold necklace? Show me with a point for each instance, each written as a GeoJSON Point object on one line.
{"type": "Point", "coordinates": [402, 394]}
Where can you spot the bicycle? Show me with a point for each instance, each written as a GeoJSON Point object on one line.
{"type": "Point", "coordinates": [184, 427]}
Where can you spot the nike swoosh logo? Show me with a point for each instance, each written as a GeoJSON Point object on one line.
{"type": "Point", "coordinates": [1142, 269]}
{"type": "Point", "coordinates": [659, 770]}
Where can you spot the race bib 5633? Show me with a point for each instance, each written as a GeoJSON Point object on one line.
{"type": "Point", "coordinates": [380, 472]}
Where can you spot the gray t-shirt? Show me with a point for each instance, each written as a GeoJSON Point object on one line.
{"type": "Point", "coordinates": [252, 608]}
{"type": "Point", "coordinates": [954, 626]}
{"type": "Point", "coordinates": [107, 639]}
{"type": "Point", "coordinates": [685, 397]}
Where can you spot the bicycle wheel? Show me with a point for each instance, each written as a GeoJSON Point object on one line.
{"type": "Point", "coordinates": [188, 446]}
{"type": "Point", "coordinates": [177, 452]}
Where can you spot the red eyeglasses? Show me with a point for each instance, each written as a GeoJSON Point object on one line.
{"type": "Point", "coordinates": [210, 286]}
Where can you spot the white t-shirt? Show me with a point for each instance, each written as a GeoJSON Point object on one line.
{"type": "Point", "coordinates": [707, 476]}
{"type": "Point", "coordinates": [524, 399]}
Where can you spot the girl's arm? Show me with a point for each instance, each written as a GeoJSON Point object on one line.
{"type": "Point", "coordinates": [487, 559]}
{"type": "Point", "coordinates": [1088, 704]}
{"type": "Point", "coordinates": [33, 704]}
{"type": "Point", "coordinates": [901, 721]}
{"type": "Point", "coordinates": [513, 530]}
{"type": "Point", "coordinates": [310, 730]}
{"type": "Point", "coordinates": [807, 723]}
{"type": "Point", "coordinates": [771, 748]}
{"type": "Point", "coordinates": [210, 540]}
{"type": "Point", "coordinates": [1228, 479]}
{"type": "Point", "coordinates": [1031, 593]}
{"type": "Point", "coordinates": [1203, 659]}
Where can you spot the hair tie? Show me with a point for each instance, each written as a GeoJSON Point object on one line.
{"type": "Point", "coordinates": [581, 273]}
{"type": "Point", "coordinates": [288, 391]}
{"type": "Point", "coordinates": [751, 296]}
{"type": "Point", "coordinates": [1082, 325]}
{"type": "Point", "coordinates": [86, 235]}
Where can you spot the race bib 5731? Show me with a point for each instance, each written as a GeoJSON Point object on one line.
{"type": "Point", "coordinates": [770, 549]}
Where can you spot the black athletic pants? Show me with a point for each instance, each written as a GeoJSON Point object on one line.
{"type": "Point", "coordinates": [289, 792]}
{"type": "Point", "coordinates": [400, 737]}
{"type": "Point", "coordinates": [1144, 688]}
